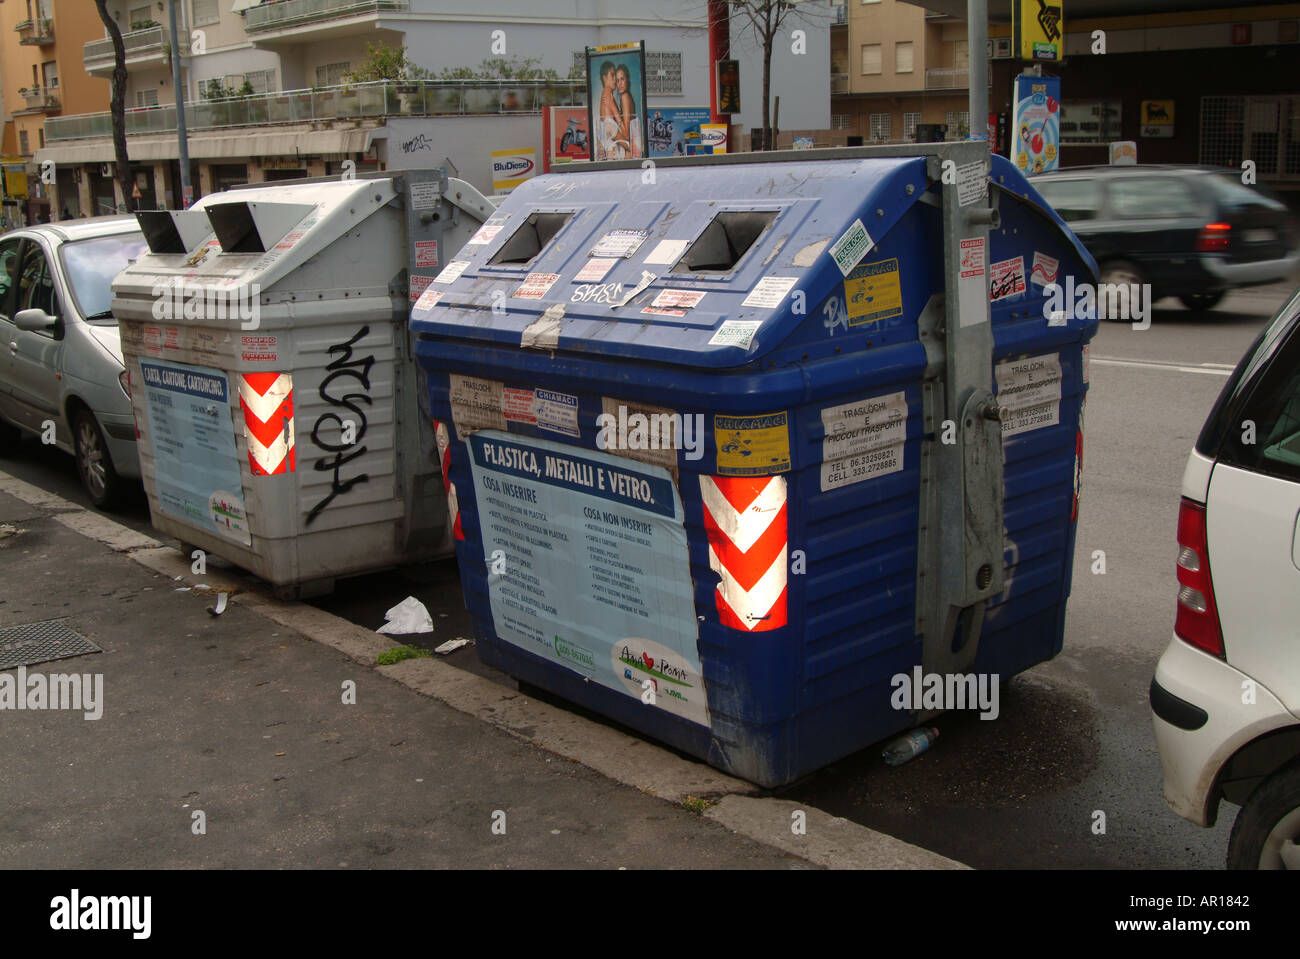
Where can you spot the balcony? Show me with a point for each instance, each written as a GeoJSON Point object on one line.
{"type": "Point", "coordinates": [35, 33]}
{"type": "Point", "coordinates": [296, 20]}
{"type": "Point", "coordinates": [39, 100]}
{"type": "Point", "coordinates": [148, 47]}
{"type": "Point", "coordinates": [348, 103]}
{"type": "Point", "coordinates": [841, 15]}
{"type": "Point", "coordinates": [839, 83]}
{"type": "Point", "coordinates": [947, 78]}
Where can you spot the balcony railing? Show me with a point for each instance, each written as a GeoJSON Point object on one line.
{"type": "Point", "coordinates": [839, 83]}
{"type": "Point", "coordinates": [947, 78]}
{"type": "Point", "coordinates": [40, 99]}
{"type": "Point", "coordinates": [35, 33]}
{"type": "Point", "coordinates": [346, 102]}
{"type": "Point", "coordinates": [286, 14]}
{"type": "Point", "coordinates": [138, 43]}
{"type": "Point", "coordinates": [841, 15]}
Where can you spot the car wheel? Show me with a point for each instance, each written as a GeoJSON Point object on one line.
{"type": "Point", "coordinates": [10, 437]}
{"type": "Point", "coordinates": [1120, 273]}
{"type": "Point", "coordinates": [94, 465]}
{"type": "Point", "coordinates": [1266, 834]}
{"type": "Point", "coordinates": [1201, 301]}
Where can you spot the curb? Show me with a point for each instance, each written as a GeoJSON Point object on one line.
{"type": "Point", "coordinates": [826, 840]}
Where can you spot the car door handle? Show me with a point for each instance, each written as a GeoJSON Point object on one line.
{"type": "Point", "coordinates": [1295, 543]}
{"type": "Point", "coordinates": [13, 346]}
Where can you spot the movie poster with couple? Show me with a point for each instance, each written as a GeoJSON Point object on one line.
{"type": "Point", "coordinates": [616, 101]}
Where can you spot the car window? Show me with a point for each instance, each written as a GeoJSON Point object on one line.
{"type": "Point", "coordinates": [1151, 198]}
{"type": "Point", "coordinates": [90, 267]}
{"type": "Point", "coordinates": [1072, 199]}
{"type": "Point", "coordinates": [36, 285]}
{"type": "Point", "coordinates": [9, 250]}
{"type": "Point", "coordinates": [1234, 196]}
{"type": "Point", "coordinates": [1273, 408]}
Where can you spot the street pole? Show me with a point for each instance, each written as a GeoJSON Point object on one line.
{"type": "Point", "coordinates": [977, 41]}
{"type": "Point", "coordinates": [183, 146]}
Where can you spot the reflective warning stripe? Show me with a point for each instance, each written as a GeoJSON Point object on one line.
{"type": "Point", "coordinates": [267, 402]}
{"type": "Point", "coordinates": [745, 520]}
{"type": "Point", "coordinates": [444, 457]}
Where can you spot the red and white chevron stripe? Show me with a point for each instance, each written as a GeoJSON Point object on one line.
{"type": "Point", "coordinates": [267, 401]}
{"type": "Point", "coordinates": [444, 457]}
{"type": "Point", "coordinates": [745, 519]}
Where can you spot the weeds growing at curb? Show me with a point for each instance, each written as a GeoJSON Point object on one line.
{"type": "Point", "coordinates": [399, 653]}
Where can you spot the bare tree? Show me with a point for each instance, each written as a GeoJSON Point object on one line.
{"type": "Point", "coordinates": [118, 103]}
{"type": "Point", "coordinates": [766, 18]}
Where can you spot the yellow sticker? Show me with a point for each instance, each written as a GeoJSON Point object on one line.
{"type": "Point", "coordinates": [752, 445]}
{"type": "Point", "coordinates": [873, 292]}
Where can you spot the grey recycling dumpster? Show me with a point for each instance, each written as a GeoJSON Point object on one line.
{"type": "Point", "coordinates": [743, 449]}
{"type": "Point", "coordinates": [271, 378]}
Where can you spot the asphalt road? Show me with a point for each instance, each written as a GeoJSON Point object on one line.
{"type": "Point", "coordinates": [1074, 738]}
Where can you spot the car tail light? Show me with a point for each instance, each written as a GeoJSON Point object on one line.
{"type": "Point", "coordinates": [1197, 622]}
{"type": "Point", "coordinates": [1213, 238]}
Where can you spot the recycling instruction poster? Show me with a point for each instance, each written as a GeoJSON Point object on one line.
{"type": "Point", "coordinates": [588, 568]}
{"type": "Point", "coordinates": [1037, 144]}
{"type": "Point", "coordinates": [192, 436]}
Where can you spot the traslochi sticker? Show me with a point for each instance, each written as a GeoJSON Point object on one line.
{"type": "Point", "coordinates": [735, 333]}
{"type": "Point", "coordinates": [429, 297]}
{"type": "Point", "coordinates": [451, 271]}
{"type": "Point", "coordinates": [1007, 278]}
{"type": "Point", "coordinates": [850, 248]}
{"type": "Point", "coordinates": [535, 286]}
{"type": "Point", "coordinates": [1044, 269]}
{"type": "Point", "coordinates": [619, 243]}
{"type": "Point", "coordinates": [486, 234]}
{"type": "Point", "coordinates": [476, 404]}
{"type": "Point", "coordinates": [863, 440]}
{"type": "Point", "coordinates": [1029, 393]}
{"type": "Point", "coordinates": [594, 271]}
{"type": "Point", "coordinates": [768, 292]}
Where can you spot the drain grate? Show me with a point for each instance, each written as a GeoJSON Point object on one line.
{"type": "Point", "coordinates": [41, 643]}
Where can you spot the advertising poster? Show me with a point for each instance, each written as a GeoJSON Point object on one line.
{"type": "Point", "coordinates": [191, 432]}
{"type": "Point", "coordinates": [675, 131]}
{"type": "Point", "coordinates": [727, 86]}
{"type": "Point", "coordinates": [511, 168]}
{"type": "Point", "coordinates": [616, 101]}
{"type": "Point", "coordinates": [566, 135]}
{"type": "Point", "coordinates": [1037, 125]}
{"type": "Point", "coordinates": [1037, 30]}
{"type": "Point", "coordinates": [588, 568]}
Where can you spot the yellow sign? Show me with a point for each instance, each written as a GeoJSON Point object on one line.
{"type": "Point", "coordinates": [872, 292]}
{"type": "Point", "coordinates": [752, 445]}
{"type": "Point", "coordinates": [1038, 29]}
{"type": "Point", "coordinates": [1157, 118]}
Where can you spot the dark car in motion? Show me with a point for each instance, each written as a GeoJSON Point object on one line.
{"type": "Point", "coordinates": [1191, 232]}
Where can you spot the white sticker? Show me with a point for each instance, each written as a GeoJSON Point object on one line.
{"type": "Point", "coordinates": [451, 271]}
{"type": "Point", "coordinates": [485, 234]}
{"type": "Point", "coordinates": [475, 405]}
{"type": "Point", "coordinates": [768, 292]}
{"type": "Point", "coordinates": [680, 299]}
{"type": "Point", "coordinates": [972, 285]}
{"type": "Point", "coordinates": [535, 286]}
{"type": "Point", "coordinates": [972, 184]}
{"type": "Point", "coordinates": [735, 333]}
{"type": "Point", "coordinates": [850, 248]}
{"type": "Point", "coordinates": [425, 196]}
{"type": "Point", "coordinates": [1044, 270]}
{"type": "Point", "coordinates": [619, 243]}
{"type": "Point", "coordinates": [1029, 393]}
{"type": "Point", "coordinates": [594, 271]}
{"type": "Point", "coordinates": [556, 412]}
{"type": "Point", "coordinates": [429, 297]}
{"type": "Point", "coordinates": [863, 440]}
{"type": "Point", "coordinates": [667, 251]}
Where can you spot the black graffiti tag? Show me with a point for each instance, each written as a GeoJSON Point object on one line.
{"type": "Point", "coordinates": [342, 367]}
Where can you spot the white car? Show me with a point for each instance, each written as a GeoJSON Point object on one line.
{"type": "Point", "coordinates": [1226, 693]}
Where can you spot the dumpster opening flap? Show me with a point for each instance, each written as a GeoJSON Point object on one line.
{"type": "Point", "coordinates": [535, 232]}
{"type": "Point", "coordinates": [173, 231]}
{"type": "Point", "coordinates": [726, 239]}
{"type": "Point", "coordinates": [253, 227]}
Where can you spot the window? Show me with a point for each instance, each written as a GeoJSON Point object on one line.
{"type": "Point", "coordinates": [23, 146]}
{"type": "Point", "coordinates": [870, 58]}
{"type": "Point", "coordinates": [1090, 121]}
{"type": "Point", "coordinates": [90, 266]}
{"type": "Point", "coordinates": [40, 137]}
{"type": "Point", "coordinates": [879, 127]}
{"type": "Point", "coordinates": [138, 15]}
{"type": "Point", "coordinates": [9, 250]}
{"type": "Point", "coordinates": [206, 11]}
{"type": "Point", "coordinates": [910, 120]}
{"type": "Point", "coordinates": [663, 74]}
{"type": "Point", "coordinates": [36, 286]}
{"type": "Point", "coordinates": [50, 74]}
{"type": "Point", "coordinates": [724, 242]}
{"type": "Point", "coordinates": [961, 55]}
{"type": "Point", "coordinates": [840, 121]}
{"type": "Point", "coordinates": [958, 124]}
{"type": "Point", "coordinates": [332, 74]}
{"type": "Point", "coordinates": [146, 98]}
{"type": "Point", "coordinates": [1153, 197]}
{"type": "Point", "coordinates": [903, 56]}
{"type": "Point", "coordinates": [262, 81]}
{"type": "Point", "coordinates": [1274, 406]}
{"type": "Point", "coordinates": [579, 66]}
{"type": "Point", "coordinates": [1071, 199]}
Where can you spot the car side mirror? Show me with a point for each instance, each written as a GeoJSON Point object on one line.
{"type": "Point", "coordinates": [34, 320]}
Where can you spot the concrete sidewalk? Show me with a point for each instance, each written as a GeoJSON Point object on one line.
{"type": "Point", "coordinates": [242, 717]}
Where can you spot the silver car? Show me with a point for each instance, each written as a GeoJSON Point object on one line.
{"type": "Point", "coordinates": [61, 373]}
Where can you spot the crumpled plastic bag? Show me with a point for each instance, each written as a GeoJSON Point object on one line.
{"type": "Point", "coordinates": [408, 616]}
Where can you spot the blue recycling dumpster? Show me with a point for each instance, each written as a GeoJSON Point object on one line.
{"type": "Point", "coordinates": [735, 443]}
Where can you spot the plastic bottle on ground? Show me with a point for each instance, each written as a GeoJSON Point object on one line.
{"type": "Point", "coordinates": [909, 745]}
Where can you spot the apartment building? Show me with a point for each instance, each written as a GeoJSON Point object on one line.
{"type": "Point", "coordinates": [895, 65]}
{"type": "Point", "coordinates": [268, 89]}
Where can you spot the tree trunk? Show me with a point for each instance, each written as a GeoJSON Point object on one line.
{"type": "Point", "coordinates": [118, 105]}
{"type": "Point", "coordinates": [769, 37]}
